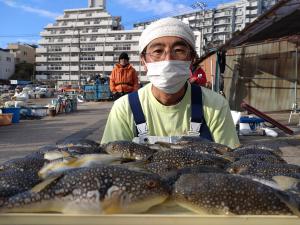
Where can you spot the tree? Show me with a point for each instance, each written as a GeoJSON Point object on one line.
{"type": "Point", "coordinates": [24, 71]}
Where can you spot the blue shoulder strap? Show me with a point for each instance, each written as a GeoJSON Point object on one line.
{"type": "Point", "coordinates": [197, 117]}
{"type": "Point", "coordinates": [138, 114]}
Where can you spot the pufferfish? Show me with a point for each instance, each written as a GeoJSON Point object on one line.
{"type": "Point", "coordinates": [98, 190]}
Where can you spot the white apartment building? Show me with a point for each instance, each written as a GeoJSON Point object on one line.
{"type": "Point", "coordinates": [7, 64]}
{"type": "Point", "coordinates": [84, 42]}
{"type": "Point", "coordinates": [214, 26]}
{"type": "Point", "coordinates": [92, 38]}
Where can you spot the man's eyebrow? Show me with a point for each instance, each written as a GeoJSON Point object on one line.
{"type": "Point", "coordinates": [180, 42]}
{"type": "Point", "coordinates": [156, 45]}
{"type": "Point", "coordinates": [176, 43]}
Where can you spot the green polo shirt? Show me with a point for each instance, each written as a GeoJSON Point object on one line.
{"type": "Point", "coordinates": [171, 120]}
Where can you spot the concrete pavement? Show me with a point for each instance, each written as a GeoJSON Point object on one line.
{"type": "Point", "coordinates": [89, 121]}
{"type": "Point", "coordinates": [29, 135]}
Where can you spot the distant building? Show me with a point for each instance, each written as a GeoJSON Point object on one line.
{"type": "Point", "coordinates": [7, 64]}
{"type": "Point", "coordinates": [214, 26]}
{"type": "Point", "coordinates": [89, 37]}
{"type": "Point", "coordinates": [92, 38]}
{"type": "Point", "coordinates": [23, 53]}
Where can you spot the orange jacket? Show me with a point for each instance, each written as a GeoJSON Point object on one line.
{"type": "Point", "coordinates": [123, 79]}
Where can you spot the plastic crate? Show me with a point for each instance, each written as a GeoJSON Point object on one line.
{"type": "Point", "coordinates": [15, 112]}
{"type": "Point", "coordinates": [6, 119]}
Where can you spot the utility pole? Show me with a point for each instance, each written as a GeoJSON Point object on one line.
{"type": "Point", "coordinates": [79, 60]}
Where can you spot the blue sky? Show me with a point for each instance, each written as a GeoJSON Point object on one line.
{"type": "Point", "coordinates": [23, 20]}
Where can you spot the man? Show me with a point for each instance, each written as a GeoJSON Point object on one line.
{"type": "Point", "coordinates": [123, 79]}
{"type": "Point", "coordinates": [198, 76]}
{"type": "Point", "coordinates": [169, 106]}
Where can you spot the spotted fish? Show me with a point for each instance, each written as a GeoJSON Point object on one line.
{"type": "Point", "coordinates": [224, 194]}
{"type": "Point", "coordinates": [263, 157]}
{"type": "Point", "coordinates": [128, 150]}
{"type": "Point", "coordinates": [244, 163]}
{"type": "Point", "coordinates": [180, 158]}
{"type": "Point", "coordinates": [87, 160]}
{"type": "Point", "coordinates": [28, 164]}
{"type": "Point", "coordinates": [101, 190]}
{"type": "Point", "coordinates": [268, 170]}
{"type": "Point", "coordinates": [199, 147]}
{"type": "Point", "coordinates": [13, 182]}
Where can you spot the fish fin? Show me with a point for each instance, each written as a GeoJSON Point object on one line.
{"type": "Point", "coordinates": [44, 184]}
{"type": "Point", "coordinates": [139, 165]}
{"type": "Point", "coordinates": [292, 201]}
{"type": "Point", "coordinates": [285, 182]}
{"type": "Point", "coordinates": [111, 201]}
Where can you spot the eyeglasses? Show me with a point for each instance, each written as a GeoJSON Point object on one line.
{"type": "Point", "coordinates": [177, 53]}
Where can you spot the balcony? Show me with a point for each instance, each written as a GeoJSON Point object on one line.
{"type": "Point", "coordinates": [41, 77]}
{"type": "Point", "coordinates": [251, 12]}
{"type": "Point", "coordinates": [41, 68]}
{"type": "Point", "coordinates": [135, 58]}
{"type": "Point", "coordinates": [106, 68]}
{"type": "Point", "coordinates": [106, 59]}
{"type": "Point", "coordinates": [41, 50]}
{"type": "Point", "coordinates": [223, 14]}
{"type": "Point", "coordinates": [222, 22]}
{"type": "Point", "coordinates": [67, 59]}
{"type": "Point", "coordinates": [106, 49]}
{"type": "Point", "coordinates": [67, 49]}
{"type": "Point", "coordinates": [41, 59]}
{"type": "Point", "coordinates": [134, 48]}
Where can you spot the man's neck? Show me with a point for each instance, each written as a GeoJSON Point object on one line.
{"type": "Point", "coordinates": [168, 99]}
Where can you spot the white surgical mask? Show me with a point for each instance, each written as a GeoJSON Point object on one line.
{"type": "Point", "coordinates": [169, 76]}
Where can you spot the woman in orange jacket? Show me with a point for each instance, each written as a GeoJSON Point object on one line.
{"type": "Point", "coordinates": [123, 78]}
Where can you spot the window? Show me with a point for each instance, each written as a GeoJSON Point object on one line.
{"type": "Point", "coordinates": [87, 66]}
{"type": "Point", "coordinates": [88, 14]}
{"type": "Point", "coordinates": [87, 22]}
{"type": "Point", "coordinates": [97, 22]}
{"type": "Point", "coordinates": [53, 31]}
{"type": "Point", "coordinates": [87, 57]}
{"type": "Point", "coordinates": [128, 37]}
{"type": "Point", "coordinates": [118, 37]}
{"type": "Point", "coordinates": [93, 38]}
{"type": "Point", "coordinates": [121, 47]}
{"type": "Point", "coordinates": [95, 30]}
{"type": "Point", "coordinates": [8, 59]}
{"type": "Point", "coordinates": [85, 31]}
{"type": "Point", "coordinates": [88, 47]}
{"type": "Point", "coordinates": [63, 31]}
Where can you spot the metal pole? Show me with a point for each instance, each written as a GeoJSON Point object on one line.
{"type": "Point", "coordinates": [79, 60]}
{"type": "Point", "coordinates": [103, 53]}
{"type": "Point", "coordinates": [296, 79]}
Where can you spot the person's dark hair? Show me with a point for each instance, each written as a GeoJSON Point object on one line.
{"type": "Point", "coordinates": [123, 55]}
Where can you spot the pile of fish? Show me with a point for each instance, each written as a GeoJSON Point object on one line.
{"type": "Point", "coordinates": [82, 176]}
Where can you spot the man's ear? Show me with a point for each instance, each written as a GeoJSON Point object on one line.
{"type": "Point", "coordinates": [144, 64]}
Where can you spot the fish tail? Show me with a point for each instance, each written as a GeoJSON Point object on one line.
{"type": "Point", "coordinates": [292, 201]}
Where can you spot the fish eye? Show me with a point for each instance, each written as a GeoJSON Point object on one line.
{"type": "Point", "coordinates": [151, 183]}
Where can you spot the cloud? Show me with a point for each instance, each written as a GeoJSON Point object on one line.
{"type": "Point", "coordinates": [27, 8]}
{"type": "Point", "coordinates": [158, 7]}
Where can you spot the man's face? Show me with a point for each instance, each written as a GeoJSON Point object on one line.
{"type": "Point", "coordinates": [166, 49]}
{"type": "Point", "coordinates": [124, 62]}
